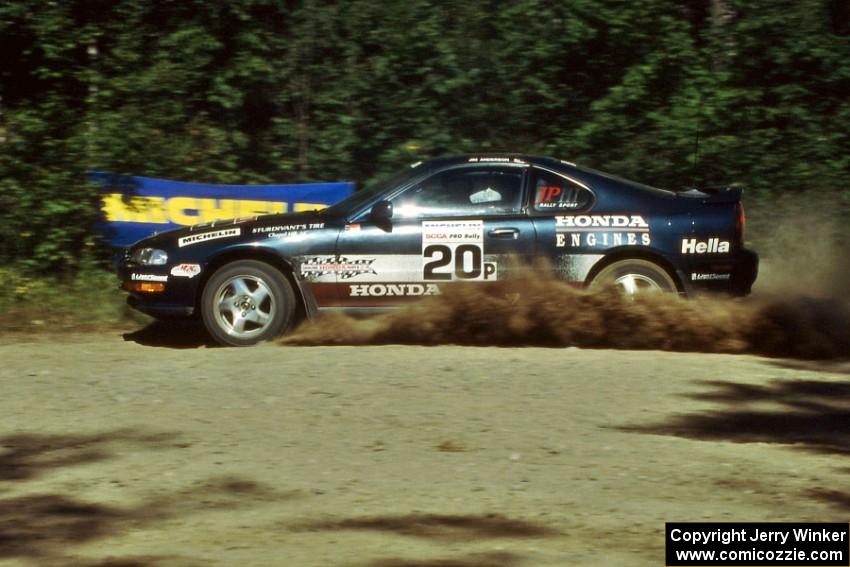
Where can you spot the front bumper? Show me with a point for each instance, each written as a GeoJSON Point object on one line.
{"type": "Point", "coordinates": [176, 300]}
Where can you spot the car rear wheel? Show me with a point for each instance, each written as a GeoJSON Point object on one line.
{"type": "Point", "coordinates": [247, 302]}
{"type": "Point", "coordinates": [634, 276]}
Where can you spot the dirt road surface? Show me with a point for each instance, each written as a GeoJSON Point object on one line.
{"type": "Point", "coordinates": [117, 452]}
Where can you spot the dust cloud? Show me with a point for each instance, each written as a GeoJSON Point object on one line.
{"type": "Point", "coordinates": [799, 309]}
{"type": "Point", "coordinates": [803, 241]}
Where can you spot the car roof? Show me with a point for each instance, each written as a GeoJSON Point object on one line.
{"type": "Point", "coordinates": [494, 158]}
{"type": "Point", "coordinates": [586, 174]}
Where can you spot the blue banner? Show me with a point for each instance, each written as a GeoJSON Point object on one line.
{"type": "Point", "coordinates": [134, 207]}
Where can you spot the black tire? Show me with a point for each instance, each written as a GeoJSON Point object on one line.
{"type": "Point", "coordinates": [247, 302]}
{"type": "Point", "coordinates": [634, 276]}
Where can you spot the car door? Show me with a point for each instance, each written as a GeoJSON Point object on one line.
{"type": "Point", "coordinates": [459, 225]}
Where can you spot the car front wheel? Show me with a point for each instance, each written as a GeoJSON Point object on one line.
{"type": "Point", "coordinates": [247, 302]}
{"type": "Point", "coordinates": [635, 276]}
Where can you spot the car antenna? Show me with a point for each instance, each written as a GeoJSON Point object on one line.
{"type": "Point", "coordinates": [695, 171]}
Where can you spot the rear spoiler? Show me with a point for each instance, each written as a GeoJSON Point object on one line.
{"type": "Point", "coordinates": [714, 195]}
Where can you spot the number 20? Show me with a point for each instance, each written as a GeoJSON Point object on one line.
{"type": "Point", "coordinates": [445, 259]}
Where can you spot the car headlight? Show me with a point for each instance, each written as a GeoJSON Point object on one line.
{"type": "Point", "coordinates": [149, 257]}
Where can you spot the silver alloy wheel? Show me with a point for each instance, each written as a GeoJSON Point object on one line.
{"type": "Point", "coordinates": [244, 306]}
{"type": "Point", "coordinates": [631, 284]}
{"type": "Point", "coordinates": [633, 277]}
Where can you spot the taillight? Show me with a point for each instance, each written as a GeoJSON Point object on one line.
{"type": "Point", "coordinates": [742, 220]}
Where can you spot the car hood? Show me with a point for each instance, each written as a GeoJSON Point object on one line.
{"type": "Point", "coordinates": [246, 224]}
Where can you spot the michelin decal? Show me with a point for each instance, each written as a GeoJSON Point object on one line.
{"type": "Point", "coordinates": [205, 236]}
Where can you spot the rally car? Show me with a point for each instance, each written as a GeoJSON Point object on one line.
{"type": "Point", "coordinates": [444, 222]}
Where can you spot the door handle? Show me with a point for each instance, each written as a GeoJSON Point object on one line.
{"type": "Point", "coordinates": [504, 232]}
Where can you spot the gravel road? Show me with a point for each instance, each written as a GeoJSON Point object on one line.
{"type": "Point", "coordinates": [133, 451]}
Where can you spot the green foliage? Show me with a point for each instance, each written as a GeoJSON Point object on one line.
{"type": "Point", "coordinates": [260, 91]}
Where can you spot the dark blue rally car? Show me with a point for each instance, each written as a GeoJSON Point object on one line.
{"type": "Point", "coordinates": [439, 223]}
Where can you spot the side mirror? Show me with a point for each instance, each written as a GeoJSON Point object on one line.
{"type": "Point", "coordinates": [381, 213]}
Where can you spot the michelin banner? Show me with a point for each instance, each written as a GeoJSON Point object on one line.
{"type": "Point", "coordinates": [134, 207]}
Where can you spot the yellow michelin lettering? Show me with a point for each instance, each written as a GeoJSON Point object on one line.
{"type": "Point", "coordinates": [189, 210]}
{"type": "Point", "coordinates": [113, 208]}
{"type": "Point", "coordinates": [184, 210]}
{"type": "Point", "coordinates": [253, 208]}
{"type": "Point", "coordinates": [116, 207]}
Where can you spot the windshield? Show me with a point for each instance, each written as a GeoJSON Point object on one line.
{"type": "Point", "coordinates": [360, 198]}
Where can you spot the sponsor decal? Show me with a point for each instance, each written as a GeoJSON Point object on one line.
{"type": "Point", "coordinates": [282, 230]}
{"type": "Point", "coordinates": [148, 278]}
{"type": "Point", "coordinates": [635, 222]}
{"type": "Point", "coordinates": [204, 236]}
{"type": "Point", "coordinates": [452, 232]}
{"type": "Point", "coordinates": [354, 226]}
{"type": "Point", "coordinates": [390, 290]}
{"type": "Point", "coordinates": [605, 239]}
{"type": "Point", "coordinates": [341, 266]}
{"type": "Point", "coordinates": [710, 246]}
{"type": "Point", "coordinates": [709, 277]}
{"type": "Point", "coordinates": [186, 270]}
{"type": "Point", "coordinates": [454, 250]}
{"type": "Point", "coordinates": [601, 230]}
{"type": "Point", "coordinates": [496, 160]}
{"type": "Point", "coordinates": [549, 197]}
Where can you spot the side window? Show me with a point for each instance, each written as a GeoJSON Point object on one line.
{"type": "Point", "coordinates": [552, 192]}
{"type": "Point", "coordinates": [465, 191]}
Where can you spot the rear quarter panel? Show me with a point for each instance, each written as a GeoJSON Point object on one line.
{"type": "Point", "coordinates": [622, 222]}
{"type": "Point", "coordinates": [709, 248]}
